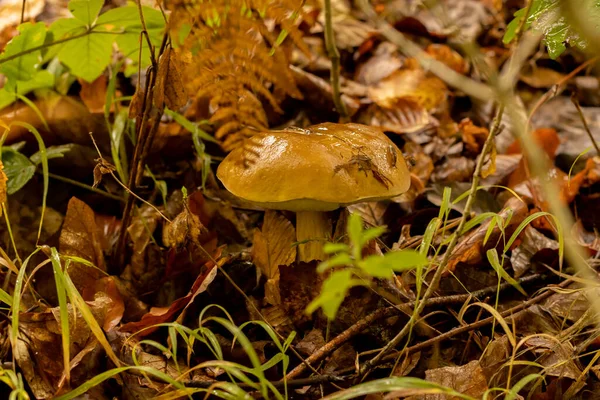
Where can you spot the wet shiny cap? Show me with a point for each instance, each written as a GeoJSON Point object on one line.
{"type": "Point", "coordinates": [319, 168]}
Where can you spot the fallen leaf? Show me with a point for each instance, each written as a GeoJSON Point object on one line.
{"type": "Point", "coordinates": [80, 238]}
{"type": "Point", "coordinates": [473, 136]}
{"type": "Point", "coordinates": [448, 56]}
{"type": "Point", "coordinates": [427, 91]}
{"type": "Point", "coordinates": [467, 379]}
{"type": "Point", "coordinates": [403, 116]}
{"type": "Point", "coordinates": [471, 248]}
{"type": "Point", "coordinates": [169, 89]}
{"type": "Point", "coordinates": [557, 358]}
{"type": "Point", "coordinates": [273, 247]}
{"type": "Point", "coordinates": [158, 315]}
{"type": "Point", "coordinates": [93, 94]}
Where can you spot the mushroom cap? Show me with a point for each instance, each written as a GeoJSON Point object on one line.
{"type": "Point", "coordinates": [319, 168]}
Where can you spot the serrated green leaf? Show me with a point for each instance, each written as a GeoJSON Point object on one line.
{"type": "Point", "coordinates": [88, 56]}
{"type": "Point", "coordinates": [85, 10]}
{"type": "Point", "coordinates": [18, 169]}
{"type": "Point", "coordinates": [24, 67]}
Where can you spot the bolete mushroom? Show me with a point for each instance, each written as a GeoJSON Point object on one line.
{"type": "Point", "coordinates": [315, 170]}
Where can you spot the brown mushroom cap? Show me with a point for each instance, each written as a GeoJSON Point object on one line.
{"type": "Point", "coordinates": [319, 168]}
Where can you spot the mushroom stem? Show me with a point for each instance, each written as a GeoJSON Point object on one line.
{"type": "Point", "coordinates": [314, 228]}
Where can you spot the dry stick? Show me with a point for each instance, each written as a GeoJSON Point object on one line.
{"type": "Point", "coordinates": [438, 273]}
{"type": "Point", "coordinates": [368, 321]}
{"type": "Point", "coordinates": [584, 121]}
{"type": "Point", "coordinates": [334, 56]}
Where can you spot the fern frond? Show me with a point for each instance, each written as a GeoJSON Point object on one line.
{"type": "Point", "coordinates": [236, 58]}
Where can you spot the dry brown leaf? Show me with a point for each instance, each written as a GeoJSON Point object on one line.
{"type": "Point", "coordinates": [186, 226]}
{"type": "Point", "coordinates": [158, 315]}
{"type": "Point", "coordinates": [429, 92]}
{"type": "Point", "coordinates": [273, 246]}
{"type": "Point", "coordinates": [471, 248]}
{"type": "Point", "coordinates": [467, 379]}
{"type": "Point", "coordinates": [448, 56]}
{"type": "Point", "coordinates": [403, 116]}
{"type": "Point", "coordinates": [80, 238]}
{"type": "Point", "coordinates": [472, 135]}
{"type": "Point", "coordinates": [169, 89]}
{"type": "Point", "coordinates": [93, 94]}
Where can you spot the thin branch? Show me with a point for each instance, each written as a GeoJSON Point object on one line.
{"type": "Point", "coordinates": [510, 313]}
{"type": "Point", "coordinates": [386, 312]}
{"type": "Point", "coordinates": [334, 56]}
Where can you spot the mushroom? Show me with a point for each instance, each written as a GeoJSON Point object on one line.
{"type": "Point", "coordinates": [315, 170]}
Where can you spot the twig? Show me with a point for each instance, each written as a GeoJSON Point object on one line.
{"type": "Point", "coordinates": [146, 35]}
{"type": "Point", "coordinates": [440, 269]}
{"type": "Point", "coordinates": [469, 86]}
{"type": "Point", "coordinates": [585, 124]}
{"type": "Point", "coordinates": [466, 328]}
{"type": "Point", "coordinates": [334, 56]}
{"type": "Point", "coordinates": [381, 313]}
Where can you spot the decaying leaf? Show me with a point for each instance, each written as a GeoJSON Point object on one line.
{"type": "Point", "coordinates": [273, 247]}
{"type": "Point", "coordinates": [159, 315]}
{"type": "Point", "coordinates": [93, 94]}
{"type": "Point", "coordinates": [448, 56]}
{"type": "Point", "coordinates": [471, 248]}
{"type": "Point", "coordinates": [80, 238]}
{"type": "Point", "coordinates": [467, 379]}
{"type": "Point", "coordinates": [169, 89]}
{"type": "Point", "coordinates": [428, 91]}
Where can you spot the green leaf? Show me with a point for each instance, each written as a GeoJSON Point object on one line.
{"type": "Point", "coordinates": [18, 169]}
{"type": "Point", "coordinates": [393, 261]}
{"type": "Point", "coordinates": [331, 248]}
{"type": "Point", "coordinates": [333, 292]}
{"type": "Point", "coordinates": [87, 56]}
{"type": "Point", "coordinates": [25, 66]}
{"type": "Point", "coordinates": [545, 16]}
{"type": "Point", "coordinates": [8, 94]}
{"type": "Point", "coordinates": [372, 233]}
{"type": "Point", "coordinates": [492, 256]}
{"type": "Point", "coordinates": [336, 261]}
{"type": "Point", "coordinates": [58, 151]}
{"type": "Point", "coordinates": [86, 10]}
{"type": "Point", "coordinates": [126, 21]}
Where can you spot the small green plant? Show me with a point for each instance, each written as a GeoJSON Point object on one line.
{"type": "Point", "coordinates": [83, 43]}
{"type": "Point", "coordinates": [348, 268]}
{"type": "Point", "coordinates": [545, 17]}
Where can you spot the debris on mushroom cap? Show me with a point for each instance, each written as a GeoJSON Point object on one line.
{"type": "Point", "coordinates": [319, 168]}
